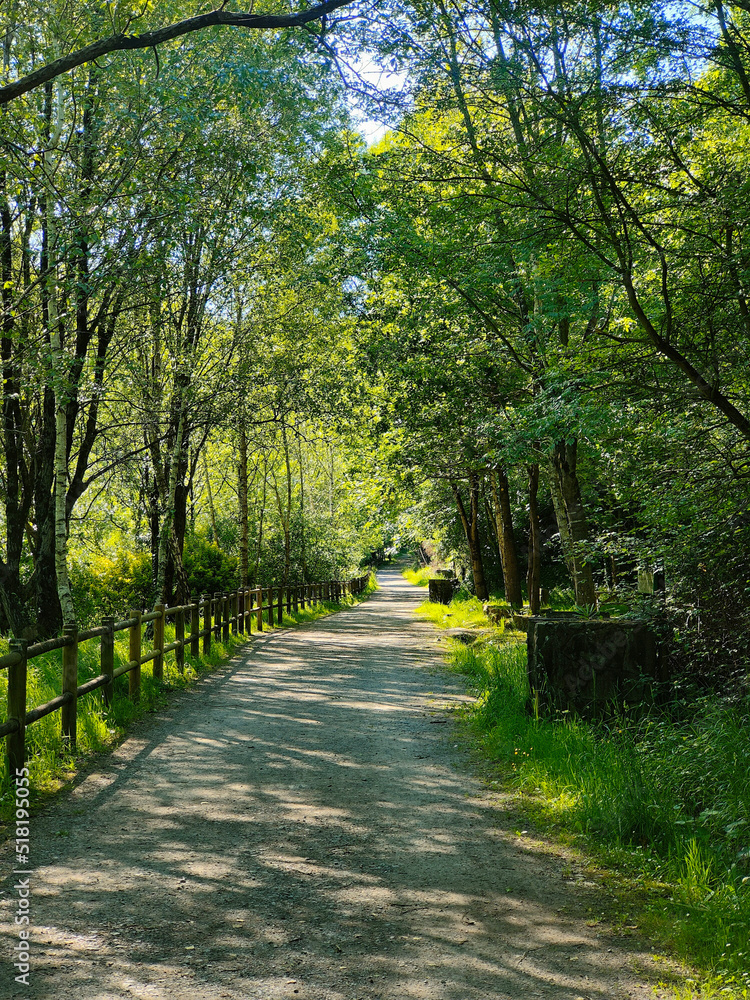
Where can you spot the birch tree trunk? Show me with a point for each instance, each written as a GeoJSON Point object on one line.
{"type": "Point", "coordinates": [60, 380]}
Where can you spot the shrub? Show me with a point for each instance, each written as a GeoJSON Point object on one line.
{"type": "Point", "coordinates": [208, 568]}
{"type": "Point", "coordinates": [111, 586]}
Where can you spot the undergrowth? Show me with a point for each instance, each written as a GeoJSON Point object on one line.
{"type": "Point", "coordinates": [419, 577]}
{"type": "Point", "coordinates": [663, 800]}
{"type": "Point", "coordinates": [99, 728]}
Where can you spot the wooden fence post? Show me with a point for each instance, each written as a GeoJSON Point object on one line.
{"type": "Point", "coordinates": [241, 611]}
{"type": "Point", "coordinates": [259, 598]}
{"type": "Point", "coordinates": [134, 655]}
{"type": "Point", "coordinates": [69, 711]}
{"type": "Point", "coordinates": [302, 596]}
{"type": "Point", "coordinates": [16, 742]}
{"type": "Point", "coordinates": [288, 599]}
{"type": "Point", "coordinates": [206, 624]}
{"type": "Point", "coordinates": [280, 610]}
{"type": "Point", "coordinates": [235, 603]}
{"type": "Point", "coordinates": [249, 610]}
{"type": "Point", "coordinates": [107, 659]}
{"type": "Point", "coordinates": [157, 671]}
{"type": "Point", "coordinates": [217, 616]}
{"type": "Point", "coordinates": [195, 627]}
{"type": "Point", "coordinates": [270, 606]}
{"type": "Point", "coordinates": [179, 635]}
{"type": "Point", "coordinates": [225, 610]}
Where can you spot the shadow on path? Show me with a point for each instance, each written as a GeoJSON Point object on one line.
{"type": "Point", "coordinates": [297, 827]}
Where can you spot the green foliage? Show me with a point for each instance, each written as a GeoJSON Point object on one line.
{"type": "Point", "coordinates": [104, 586]}
{"type": "Point", "coordinates": [209, 569]}
{"type": "Point", "coordinates": [419, 577]}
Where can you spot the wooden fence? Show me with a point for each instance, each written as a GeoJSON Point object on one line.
{"type": "Point", "coordinates": [218, 615]}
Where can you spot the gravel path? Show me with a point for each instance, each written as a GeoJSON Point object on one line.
{"type": "Point", "coordinates": [299, 825]}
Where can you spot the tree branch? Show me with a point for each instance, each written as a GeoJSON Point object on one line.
{"type": "Point", "coordinates": [150, 39]}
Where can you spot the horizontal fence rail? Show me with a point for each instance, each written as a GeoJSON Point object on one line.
{"type": "Point", "coordinates": [211, 617]}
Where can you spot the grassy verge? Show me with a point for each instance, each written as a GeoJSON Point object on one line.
{"type": "Point", "coordinates": [460, 613]}
{"type": "Point", "coordinates": [419, 577]}
{"type": "Point", "coordinates": [662, 802]}
{"type": "Point", "coordinates": [50, 764]}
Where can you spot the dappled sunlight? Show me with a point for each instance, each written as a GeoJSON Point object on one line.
{"type": "Point", "coordinates": [299, 825]}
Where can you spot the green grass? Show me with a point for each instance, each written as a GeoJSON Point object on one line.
{"type": "Point", "coordinates": [462, 612]}
{"type": "Point", "coordinates": [50, 762]}
{"type": "Point", "coordinates": [664, 804]}
{"type": "Point", "coordinates": [419, 577]}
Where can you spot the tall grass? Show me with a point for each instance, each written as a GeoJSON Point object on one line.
{"type": "Point", "coordinates": [667, 802]}
{"type": "Point", "coordinates": [462, 612]}
{"type": "Point", "coordinates": [419, 577]}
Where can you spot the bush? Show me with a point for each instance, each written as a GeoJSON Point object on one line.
{"type": "Point", "coordinates": [111, 586]}
{"type": "Point", "coordinates": [208, 568]}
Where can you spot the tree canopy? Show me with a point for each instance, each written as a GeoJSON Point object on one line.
{"type": "Point", "coordinates": [517, 324]}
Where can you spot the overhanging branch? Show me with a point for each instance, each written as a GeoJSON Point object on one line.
{"type": "Point", "coordinates": [150, 39]}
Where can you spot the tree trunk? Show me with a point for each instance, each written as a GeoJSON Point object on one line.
{"type": "Point", "coordinates": [505, 538]}
{"type": "Point", "coordinates": [286, 520]}
{"type": "Point", "coordinates": [303, 551]}
{"type": "Point", "coordinates": [243, 512]}
{"type": "Point", "coordinates": [573, 517]}
{"type": "Point", "coordinates": [211, 509]}
{"type": "Point", "coordinates": [60, 378]}
{"type": "Point", "coordinates": [562, 519]}
{"type": "Point", "coordinates": [48, 610]}
{"type": "Point", "coordinates": [533, 575]}
{"type": "Point", "coordinates": [471, 530]}
{"type": "Point", "coordinates": [167, 539]}
{"type": "Point", "coordinates": [16, 505]}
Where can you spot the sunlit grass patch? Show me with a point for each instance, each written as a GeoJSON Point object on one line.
{"type": "Point", "coordinates": [460, 613]}
{"type": "Point", "coordinates": [419, 577]}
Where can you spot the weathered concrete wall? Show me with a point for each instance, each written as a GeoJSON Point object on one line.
{"type": "Point", "coordinates": [592, 667]}
{"type": "Point", "coordinates": [441, 591]}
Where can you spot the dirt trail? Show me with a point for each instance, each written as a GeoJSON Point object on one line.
{"type": "Point", "coordinates": [297, 826]}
